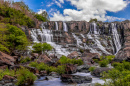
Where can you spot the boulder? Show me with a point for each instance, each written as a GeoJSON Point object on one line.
{"type": "Point", "coordinates": [6, 59]}
{"type": "Point", "coordinates": [75, 79]}
{"type": "Point", "coordinates": [70, 68]}
{"type": "Point", "coordinates": [8, 79]}
{"type": "Point", "coordinates": [97, 72]}
{"type": "Point", "coordinates": [54, 74]}
{"type": "Point", "coordinates": [44, 58]}
{"type": "Point", "coordinates": [3, 67]}
{"type": "Point", "coordinates": [34, 56]}
{"type": "Point", "coordinates": [83, 68]}
{"type": "Point", "coordinates": [73, 55]}
{"type": "Point", "coordinates": [43, 73]}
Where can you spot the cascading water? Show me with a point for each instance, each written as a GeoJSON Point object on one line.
{"type": "Point", "coordinates": [56, 25]}
{"type": "Point", "coordinates": [116, 38]}
{"type": "Point", "coordinates": [65, 27]}
{"type": "Point", "coordinates": [47, 36]}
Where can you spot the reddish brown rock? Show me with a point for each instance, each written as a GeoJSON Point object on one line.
{"type": "Point", "coordinates": [6, 59]}
{"type": "Point", "coordinates": [7, 79]}
{"type": "Point", "coordinates": [3, 67]}
{"type": "Point", "coordinates": [44, 58]}
{"type": "Point", "coordinates": [73, 55]}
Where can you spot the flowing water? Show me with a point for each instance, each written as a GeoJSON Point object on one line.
{"type": "Point", "coordinates": [56, 25]}
{"type": "Point", "coordinates": [65, 27]}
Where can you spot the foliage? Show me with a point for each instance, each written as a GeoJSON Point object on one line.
{"type": "Point", "coordinates": [120, 75]}
{"type": "Point", "coordinates": [103, 63]}
{"type": "Point", "coordinates": [41, 66]}
{"type": "Point", "coordinates": [6, 72]}
{"type": "Point", "coordinates": [41, 47]}
{"type": "Point", "coordinates": [81, 50]}
{"type": "Point", "coordinates": [24, 60]}
{"type": "Point", "coordinates": [65, 60]}
{"type": "Point", "coordinates": [13, 16]}
{"type": "Point", "coordinates": [25, 76]}
{"type": "Point", "coordinates": [12, 38]}
{"type": "Point", "coordinates": [92, 69]}
{"type": "Point", "coordinates": [41, 18]}
{"type": "Point", "coordinates": [91, 20]}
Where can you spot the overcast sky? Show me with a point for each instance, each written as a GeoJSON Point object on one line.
{"type": "Point", "coordinates": [77, 10]}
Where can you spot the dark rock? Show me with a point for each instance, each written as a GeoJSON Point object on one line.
{"type": "Point", "coordinates": [83, 68]}
{"type": "Point", "coordinates": [98, 71]}
{"type": "Point", "coordinates": [8, 79]}
{"type": "Point", "coordinates": [49, 78]}
{"type": "Point", "coordinates": [43, 73]}
{"type": "Point", "coordinates": [70, 68]}
{"type": "Point", "coordinates": [44, 58]}
{"type": "Point", "coordinates": [75, 79]}
{"type": "Point", "coordinates": [3, 67]}
{"type": "Point", "coordinates": [34, 56]}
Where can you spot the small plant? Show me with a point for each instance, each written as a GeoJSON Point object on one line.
{"type": "Point", "coordinates": [24, 76]}
{"type": "Point", "coordinates": [24, 60]}
{"type": "Point", "coordinates": [92, 69]}
{"type": "Point", "coordinates": [81, 51]}
{"type": "Point", "coordinates": [61, 69]}
{"type": "Point", "coordinates": [103, 63]}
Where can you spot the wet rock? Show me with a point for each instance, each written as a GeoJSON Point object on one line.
{"type": "Point", "coordinates": [83, 68]}
{"type": "Point", "coordinates": [73, 55]}
{"type": "Point", "coordinates": [70, 69]}
{"type": "Point", "coordinates": [54, 74]}
{"type": "Point", "coordinates": [49, 78]}
{"type": "Point", "coordinates": [34, 56]}
{"type": "Point", "coordinates": [75, 79]}
{"type": "Point", "coordinates": [43, 73]}
{"type": "Point", "coordinates": [3, 67]}
{"type": "Point", "coordinates": [6, 59]}
{"type": "Point", "coordinates": [97, 72]}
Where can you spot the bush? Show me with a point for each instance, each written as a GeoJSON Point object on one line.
{"type": "Point", "coordinates": [24, 60]}
{"type": "Point", "coordinates": [103, 63]}
{"type": "Point", "coordinates": [65, 60]}
{"type": "Point", "coordinates": [60, 69]}
{"type": "Point", "coordinates": [6, 72]}
{"type": "Point", "coordinates": [41, 47]}
{"type": "Point", "coordinates": [41, 18]}
{"type": "Point", "coordinates": [92, 69]}
{"type": "Point", "coordinates": [25, 76]}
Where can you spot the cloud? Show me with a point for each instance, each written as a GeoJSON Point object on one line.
{"type": "Point", "coordinates": [40, 11]}
{"type": "Point", "coordinates": [61, 1]}
{"type": "Point", "coordinates": [87, 9]}
{"type": "Point", "coordinates": [58, 3]}
{"type": "Point", "coordinates": [49, 5]}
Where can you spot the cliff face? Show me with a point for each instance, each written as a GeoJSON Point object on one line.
{"type": "Point", "coordinates": [102, 38]}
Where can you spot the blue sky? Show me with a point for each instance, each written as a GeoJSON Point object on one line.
{"type": "Point", "coordinates": [67, 10]}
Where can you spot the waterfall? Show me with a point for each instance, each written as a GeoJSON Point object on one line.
{"type": "Point", "coordinates": [47, 36]}
{"type": "Point", "coordinates": [65, 27]}
{"type": "Point", "coordinates": [82, 35]}
{"type": "Point", "coordinates": [93, 28]}
{"type": "Point", "coordinates": [116, 38]}
{"type": "Point", "coordinates": [56, 24]}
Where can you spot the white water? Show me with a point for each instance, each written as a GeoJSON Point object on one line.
{"type": "Point", "coordinates": [78, 40]}
{"type": "Point", "coordinates": [82, 35]}
{"type": "Point", "coordinates": [47, 36]}
{"type": "Point", "coordinates": [116, 37]}
{"type": "Point", "coordinates": [56, 25]}
{"type": "Point", "coordinates": [65, 27]}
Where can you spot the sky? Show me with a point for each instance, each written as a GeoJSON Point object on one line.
{"type": "Point", "coordinates": [82, 10]}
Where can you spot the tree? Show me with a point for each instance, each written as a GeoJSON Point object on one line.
{"type": "Point", "coordinates": [41, 47]}
{"type": "Point", "coordinates": [92, 20]}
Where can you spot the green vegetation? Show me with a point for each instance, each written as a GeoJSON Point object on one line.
{"type": "Point", "coordinates": [92, 20]}
{"type": "Point", "coordinates": [41, 18]}
{"type": "Point", "coordinates": [41, 47]}
{"type": "Point", "coordinates": [12, 38]}
{"type": "Point", "coordinates": [91, 69]}
{"type": "Point", "coordinates": [41, 66]}
{"type": "Point", "coordinates": [120, 75]}
{"type": "Point", "coordinates": [65, 60]}
{"type": "Point", "coordinates": [81, 51]}
{"type": "Point", "coordinates": [25, 76]}
{"type": "Point", "coordinates": [13, 16]}
{"type": "Point", "coordinates": [24, 60]}
{"type": "Point", "coordinates": [6, 72]}
{"type": "Point", "coordinates": [103, 63]}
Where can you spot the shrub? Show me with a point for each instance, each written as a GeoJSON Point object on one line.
{"type": "Point", "coordinates": [24, 60]}
{"type": "Point", "coordinates": [60, 69]}
{"type": "Point", "coordinates": [91, 69]}
{"type": "Point", "coordinates": [81, 50]}
{"type": "Point", "coordinates": [6, 72]}
{"type": "Point", "coordinates": [41, 47]}
{"type": "Point", "coordinates": [25, 76]}
{"type": "Point", "coordinates": [41, 18]}
{"type": "Point", "coordinates": [103, 63]}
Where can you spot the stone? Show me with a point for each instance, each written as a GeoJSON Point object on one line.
{"type": "Point", "coordinates": [6, 59]}
{"type": "Point", "coordinates": [83, 68]}
{"type": "Point", "coordinates": [34, 56]}
{"type": "Point", "coordinates": [3, 67]}
{"type": "Point", "coordinates": [97, 72]}
{"type": "Point", "coordinates": [44, 58]}
{"type": "Point", "coordinates": [8, 79]}
{"type": "Point", "coordinates": [75, 79]}
{"type": "Point", "coordinates": [54, 74]}
{"type": "Point", "coordinates": [73, 55]}
{"type": "Point", "coordinates": [70, 68]}
{"type": "Point", "coordinates": [49, 78]}
{"type": "Point", "coordinates": [43, 73]}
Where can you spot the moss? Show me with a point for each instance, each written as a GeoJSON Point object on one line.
{"type": "Point", "coordinates": [91, 69]}
{"type": "Point", "coordinates": [24, 60]}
